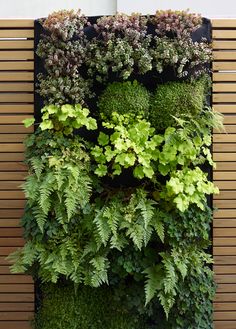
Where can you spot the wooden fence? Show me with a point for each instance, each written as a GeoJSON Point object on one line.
{"type": "Point", "coordinates": [224, 149]}
{"type": "Point", "coordinates": [16, 103]}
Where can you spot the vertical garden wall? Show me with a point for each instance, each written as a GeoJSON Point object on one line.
{"type": "Point", "coordinates": [117, 221]}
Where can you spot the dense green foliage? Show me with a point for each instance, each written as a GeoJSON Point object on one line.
{"type": "Point", "coordinates": [124, 205]}
{"type": "Point", "coordinates": [176, 99]}
{"type": "Point", "coordinates": [124, 98]}
{"type": "Point", "coordinates": [85, 308]}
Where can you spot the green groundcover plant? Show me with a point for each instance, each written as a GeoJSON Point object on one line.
{"type": "Point", "coordinates": [116, 223]}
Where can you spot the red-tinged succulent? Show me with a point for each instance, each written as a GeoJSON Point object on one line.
{"type": "Point", "coordinates": [64, 24]}
{"type": "Point", "coordinates": [176, 23]}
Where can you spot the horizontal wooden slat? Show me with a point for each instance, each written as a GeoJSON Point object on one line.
{"type": "Point", "coordinates": [16, 66]}
{"type": "Point", "coordinates": [16, 325]}
{"type": "Point", "coordinates": [220, 166]}
{"type": "Point", "coordinates": [220, 76]}
{"type": "Point", "coordinates": [224, 66]}
{"type": "Point", "coordinates": [16, 279]}
{"type": "Point", "coordinates": [222, 55]}
{"type": "Point", "coordinates": [9, 222]}
{"type": "Point", "coordinates": [226, 185]}
{"type": "Point", "coordinates": [224, 156]}
{"type": "Point", "coordinates": [13, 204]}
{"type": "Point", "coordinates": [229, 129]}
{"type": "Point", "coordinates": [16, 44]}
{"type": "Point", "coordinates": [226, 213]}
{"type": "Point", "coordinates": [224, 306]}
{"type": "Point", "coordinates": [223, 222]}
{"type": "Point", "coordinates": [225, 241]}
{"type": "Point", "coordinates": [224, 34]}
{"type": "Point", "coordinates": [17, 97]}
{"type": "Point", "coordinates": [12, 138]}
{"type": "Point", "coordinates": [17, 33]}
{"type": "Point", "coordinates": [225, 87]}
{"type": "Point", "coordinates": [225, 315]}
{"type": "Point", "coordinates": [8, 176]}
{"type": "Point", "coordinates": [224, 138]}
{"type": "Point", "coordinates": [11, 307]}
{"type": "Point", "coordinates": [231, 45]}
{"type": "Point", "coordinates": [15, 55]}
{"type": "Point", "coordinates": [224, 232]}
{"type": "Point", "coordinates": [12, 195]}
{"type": "Point", "coordinates": [13, 166]}
{"type": "Point", "coordinates": [225, 269]}
{"type": "Point", "coordinates": [224, 324]}
{"type": "Point", "coordinates": [13, 119]}
{"type": "Point", "coordinates": [16, 108]}
{"type": "Point", "coordinates": [8, 316]}
{"type": "Point", "coordinates": [225, 297]}
{"type": "Point", "coordinates": [11, 213]}
{"type": "Point", "coordinates": [16, 23]}
{"type": "Point", "coordinates": [18, 297]}
{"type": "Point", "coordinates": [223, 23]}
{"type": "Point", "coordinates": [224, 98]}
{"type": "Point", "coordinates": [16, 87]}
{"type": "Point", "coordinates": [227, 251]}
{"type": "Point", "coordinates": [9, 242]}
{"type": "Point", "coordinates": [9, 232]}
{"type": "Point", "coordinates": [11, 156]}
{"type": "Point", "coordinates": [225, 204]}
{"type": "Point", "coordinates": [16, 288]}
{"type": "Point", "coordinates": [14, 129]}
{"type": "Point", "coordinates": [12, 147]}
{"type": "Point", "coordinates": [224, 147]}
{"type": "Point", "coordinates": [220, 175]}
{"type": "Point", "coordinates": [16, 76]}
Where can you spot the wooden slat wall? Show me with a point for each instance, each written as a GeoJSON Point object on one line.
{"type": "Point", "coordinates": [16, 104]}
{"type": "Point", "coordinates": [224, 153]}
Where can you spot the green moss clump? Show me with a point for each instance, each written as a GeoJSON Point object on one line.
{"type": "Point", "coordinates": [176, 99]}
{"type": "Point", "coordinates": [63, 307]}
{"type": "Point", "coordinates": [128, 97]}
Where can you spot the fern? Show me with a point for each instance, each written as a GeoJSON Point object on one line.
{"type": "Point", "coordinates": [153, 282]}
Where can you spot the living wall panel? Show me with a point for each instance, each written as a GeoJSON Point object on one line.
{"type": "Point", "coordinates": [16, 104]}
{"type": "Point", "coordinates": [224, 176]}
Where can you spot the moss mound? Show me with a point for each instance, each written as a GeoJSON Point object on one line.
{"type": "Point", "coordinates": [176, 99]}
{"type": "Point", "coordinates": [63, 307]}
{"type": "Point", "coordinates": [124, 98]}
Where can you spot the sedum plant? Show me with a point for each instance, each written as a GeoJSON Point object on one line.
{"type": "Point", "coordinates": [178, 24]}
{"type": "Point", "coordinates": [64, 90]}
{"type": "Point", "coordinates": [65, 24]}
{"type": "Point", "coordinates": [125, 98]}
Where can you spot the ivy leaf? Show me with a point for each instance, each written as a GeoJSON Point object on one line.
{"type": "Point", "coordinates": [103, 139]}
{"type": "Point", "coordinates": [91, 124]}
{"type": "Point", "coordinates": [28, 122]}
{"type": "Point", "coordinates": [101, 170]}
{"type": "Point", "coordinates": [47, 124]}
{"type": "Point", "coordinates": [138, 172]}
{"type": "Point", "coordinates": [148, 171]}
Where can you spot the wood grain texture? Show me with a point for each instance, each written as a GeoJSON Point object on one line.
{"type": "Point", "coordinates": [223, 23]}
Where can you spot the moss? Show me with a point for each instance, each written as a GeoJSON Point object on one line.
{"type": "Point", "coordinates": [176, 99]}
{"type": "Point", "coordinates": [63, 307]}
{"type": "Point", "coordinates": [124, 98]}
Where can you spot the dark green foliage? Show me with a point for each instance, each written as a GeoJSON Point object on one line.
{"type": "Point", "coordinates": [130, 98]}
{"type": "Point", "coordinates": [176, 99]}
{"type": "Point", "coordinates": [194, 308]}
{"type": "Point", "coordinates": [65, 307]}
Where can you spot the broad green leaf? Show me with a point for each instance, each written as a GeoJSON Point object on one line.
{"type": "Point", "coordinates": [28, 122]}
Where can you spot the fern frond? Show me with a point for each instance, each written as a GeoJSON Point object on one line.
{"type": "Point", "coordinates": [37, 165]}
{"type": "Point", "coordinates": [153, 282]}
